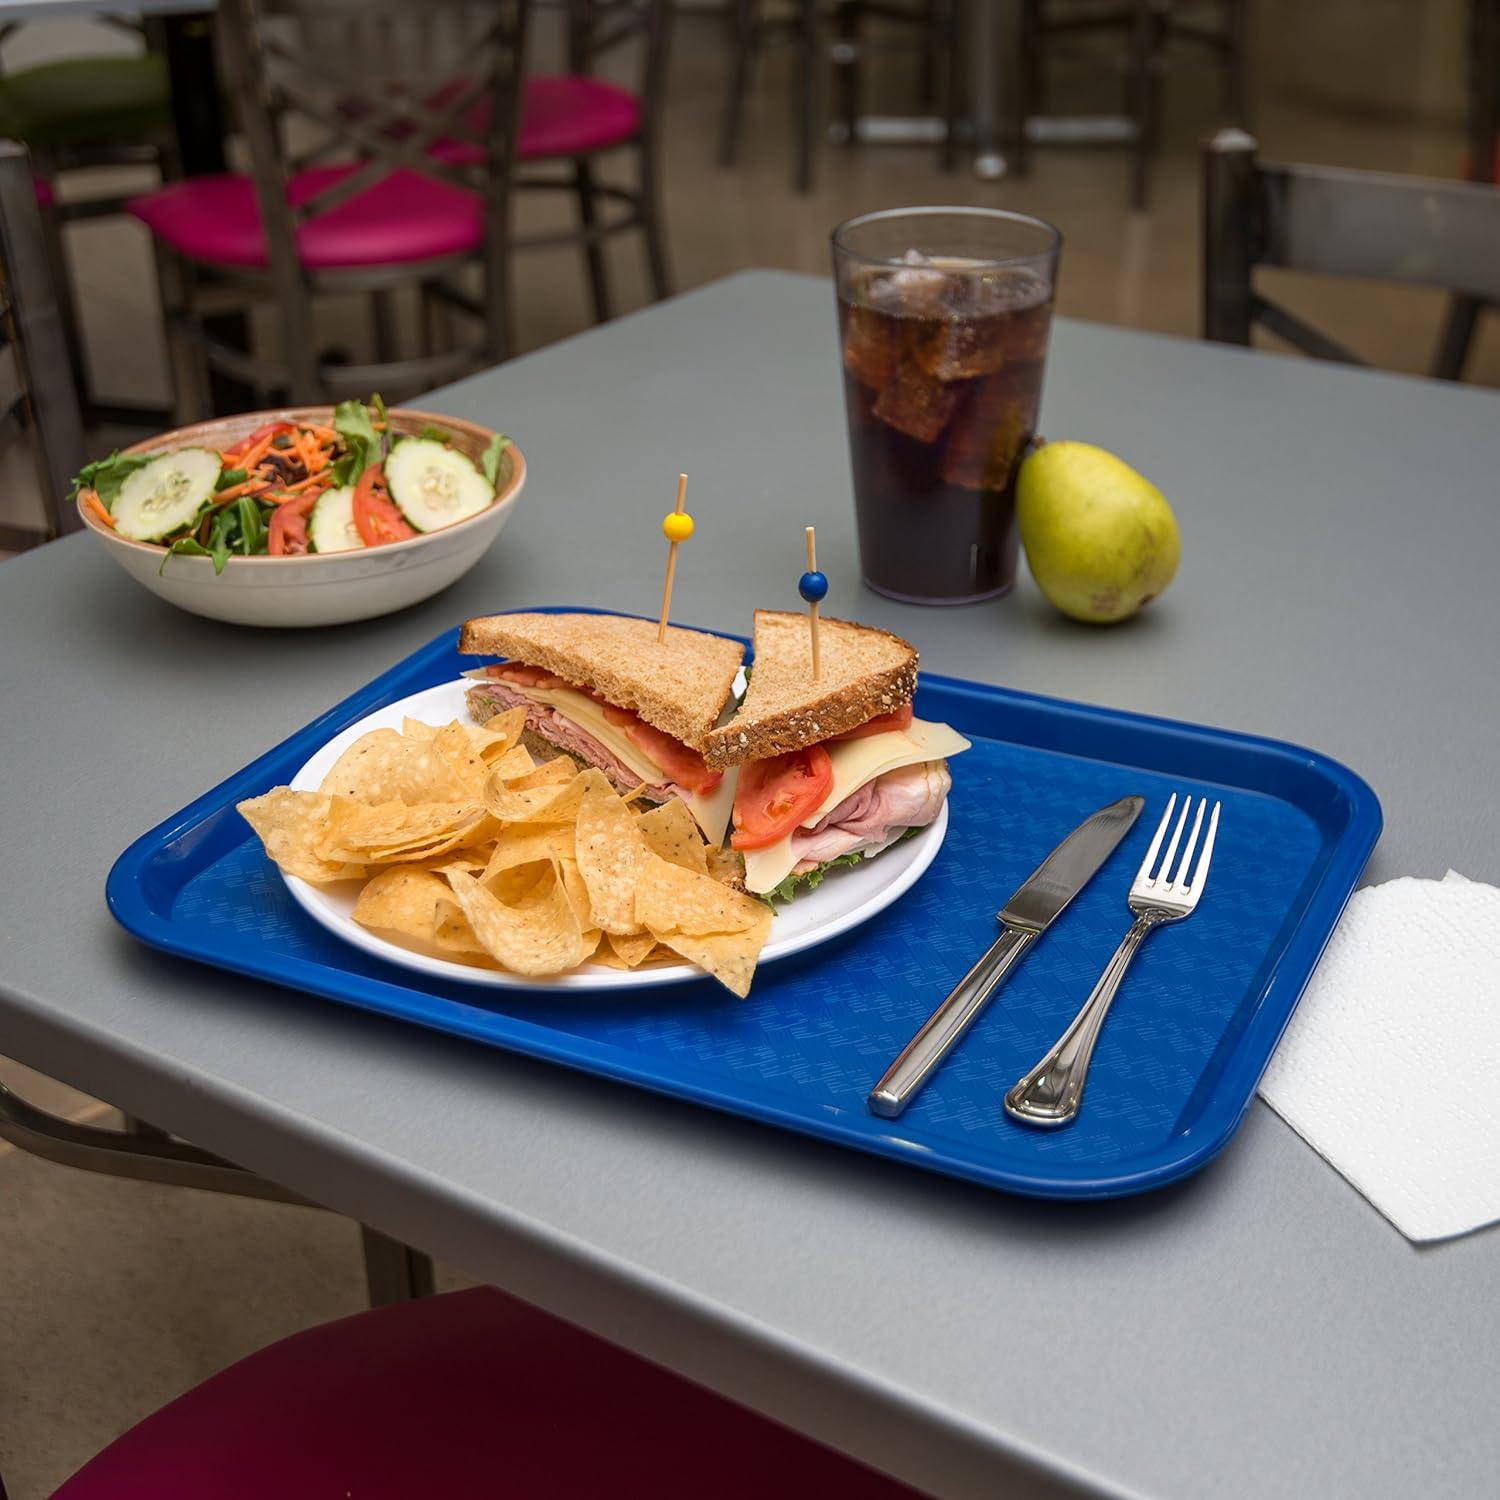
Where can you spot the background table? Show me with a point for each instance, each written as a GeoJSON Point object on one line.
{"type": "Point", "coordinates": [1257, 1330]}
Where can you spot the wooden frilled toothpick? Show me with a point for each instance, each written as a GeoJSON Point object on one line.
{"type": "Point", "coordinates": [676, 526]}
{"type": "Point", "coordinates": [813, 587]}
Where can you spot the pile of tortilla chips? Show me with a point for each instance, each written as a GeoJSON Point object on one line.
{"type": "Point", "coordinates": [471, 851]}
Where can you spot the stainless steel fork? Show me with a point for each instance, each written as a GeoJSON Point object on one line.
{"type": "Point", "coordinates": [1052, 1091]}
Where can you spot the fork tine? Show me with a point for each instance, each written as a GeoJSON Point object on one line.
{"type": "Point", "coordinates": [1166, 864]}
{"type": "Point", "coordinates": [1161, 832]}
{"type": "Point", "coordinates": [1201, 873]}
{"type": "Point", "coordinates": [1192, 843]}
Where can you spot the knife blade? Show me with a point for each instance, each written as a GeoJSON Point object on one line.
{"type": "Point", "coordinates": [1036, 904]}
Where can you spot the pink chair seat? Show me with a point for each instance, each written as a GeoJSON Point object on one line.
{"type": "Point", "coordinates": [468, 1394]}
{"type": "Point", "coordinates": [563, 115]}
{"type": "Point", "coordinates": [46, 195]}
{"type": "Point", "coordinates": [404, 218]}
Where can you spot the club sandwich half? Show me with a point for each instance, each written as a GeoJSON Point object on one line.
{"type": "Point", "coordinates": [831, 771]}
{"type": "Point", "coordinates": [602, 689]}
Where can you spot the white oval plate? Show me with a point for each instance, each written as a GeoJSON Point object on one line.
{"type": "Point", "coordinates": [845, 899]}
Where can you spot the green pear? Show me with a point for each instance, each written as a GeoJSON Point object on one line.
{"type": "Point", "coordinates": [1100, 539]}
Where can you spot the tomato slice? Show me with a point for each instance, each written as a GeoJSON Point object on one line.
{"type": "Point", "coordinates": [524, 676]}
{"type": "Point", "coordinates": [287, 534]}
{"type": "Point", "coordinates": [679, 763]}
{"type": "Point", "coordinates": [881, 724]}
{"type": "Point", "coordinates": [245, 444]}
{"type": "Point", "coordinates": [375, 515]}
{"type": "Point", "coordinates": [775, 795]}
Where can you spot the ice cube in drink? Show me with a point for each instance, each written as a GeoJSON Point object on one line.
{"type": "Point", "coordinates": [943, 364]}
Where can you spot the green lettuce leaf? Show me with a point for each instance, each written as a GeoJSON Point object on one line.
{"type": "Point", "coordinates": [351, 420]}
{"type": "Point", "coordinates": [489, 463]}
{"type": "Point", "coordinates": [105, 476]}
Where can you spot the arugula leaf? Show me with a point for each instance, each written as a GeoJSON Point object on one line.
{"type": "Point", "coordinates": [380, 412]}
{"type": "Point", "coordinates": [105, 475]}
{"type": "Point", "coordinates": [352, 422]}
{"type": "Point", "coordinates": [435, 434]}
{"type": "Point", "coordinates": [490, 461]}
{"type": "Point", "coordinates": [252, 538]}
{"type": "Point", "coordinates": [229, 478]}
{"type": "Point", "coordinates": [184, 546]}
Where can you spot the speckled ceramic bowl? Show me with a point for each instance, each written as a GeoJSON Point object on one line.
{"type": "Point", "coordinates": [336, 587]}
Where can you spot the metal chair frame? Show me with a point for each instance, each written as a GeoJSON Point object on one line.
{"type": "Point", "coordinates": [393, 1272]}
{"type": "Point", "coordinates": [57, 215]}
{"type": "Point", "coordinates": [596, 28]}
{"type": "Point", "coordinates": [1373, 225]}
{"type": "Point", "coordinates": [33, 321]}
{"type": "Point", "coordinates": [1484, 155]}
{"type": "Point", "coordinates": [940, 21]}
{"type": "Point", "coordinates": [1151, 28]}
{"type": "Point", "coordinates": [379, 124]}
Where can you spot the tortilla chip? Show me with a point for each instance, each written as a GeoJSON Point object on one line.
{"type": "Point", "coordinates": [402, 901]}
{"type": "Point", "coordinates": [540, 936]}
{"type": "Point", "coordinates": [291, 825]}
{"type": "Point", "coordinates": [669, 898]}
{"type": "Point", "coordinates": [384, 766]}
{"type": "Point", "coordinates": [611, 849]}
{"type": "Point", "coordinates": [632, 949]}
{"type": "Point", "coordinates": [729, 956]}
{"type": "Point", "coordinates": [672, 833]}
{"type": "Point", "coordinates": [552, 803]}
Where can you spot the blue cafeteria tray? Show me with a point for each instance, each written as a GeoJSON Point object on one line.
{"type": "Point", "coordinates": [1191, 1031]}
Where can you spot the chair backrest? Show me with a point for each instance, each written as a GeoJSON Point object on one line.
{"type": "Point", "coordinates": [1374, 225]}
{"type": "Point", "coordinates": [378, 82]}
{"type": "Point", "coordinates": [31, 322]}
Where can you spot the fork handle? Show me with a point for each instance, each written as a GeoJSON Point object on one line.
{"type": "Point", "coordinates": [1052, 1091]}
{"type": "Point", "coordinates": [945, 1027]}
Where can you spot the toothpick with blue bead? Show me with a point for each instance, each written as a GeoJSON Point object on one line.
{"type": "Point", "coordinates": [676, 526]}
{"type": "Point", "coordinates": [813, 587]}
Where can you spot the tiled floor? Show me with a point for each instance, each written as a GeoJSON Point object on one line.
{"type": "Point", "coordinates": [114, 1297]}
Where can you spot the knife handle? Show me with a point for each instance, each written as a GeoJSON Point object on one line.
{"type": "Point", "coordinates": [945, 1027]}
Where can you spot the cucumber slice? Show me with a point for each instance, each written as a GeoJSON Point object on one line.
{"type": "Point", "coordinates": [166, 495]}
{"type": "Point", "coordinates": [330, 527]}
{"type": "Point", "coordinates": [434, 485]}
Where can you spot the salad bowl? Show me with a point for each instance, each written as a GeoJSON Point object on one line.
{"type": "Point", "coordinates": [316, 587]}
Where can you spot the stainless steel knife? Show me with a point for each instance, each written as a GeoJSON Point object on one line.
{"type": "Point", "coordinates": [1023, 919]}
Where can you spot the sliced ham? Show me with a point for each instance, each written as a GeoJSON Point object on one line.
{"type": "Point", "coordinates": [495, 697]}
{"type": "Point", "coordinates": [875, 816]}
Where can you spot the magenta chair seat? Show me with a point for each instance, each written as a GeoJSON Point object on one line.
{"type": "Point", "coordinates": [565, 115]}
{"type": "Point", "coordinates": [465, 1395]}
{"type": "Point", "coordinates": [404, 218]}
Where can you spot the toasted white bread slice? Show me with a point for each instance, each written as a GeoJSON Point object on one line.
{"type": "Point", "coordinates": [680, 685]}
{"type": "Point", "coordinates": [866, 672]}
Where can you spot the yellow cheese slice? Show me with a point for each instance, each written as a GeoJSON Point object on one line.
{"type": "Point", "coordinates": [710, 810]}
{"type": "Point", "coordinates": [855, 763]}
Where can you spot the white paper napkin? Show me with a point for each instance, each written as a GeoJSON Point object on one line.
{"type": "Point", "coordinates": [1390, 1068]}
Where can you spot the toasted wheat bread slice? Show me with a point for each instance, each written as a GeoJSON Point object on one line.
{"type": "Point", "coordinates": [680, 686]}
{"type": "Point", "coordinates": [866, 672]}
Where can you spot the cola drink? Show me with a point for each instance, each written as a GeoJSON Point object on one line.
{"type": "Point", "coordinates": [943, 359]}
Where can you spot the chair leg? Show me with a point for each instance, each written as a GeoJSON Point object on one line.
{"type": "Point", "coordinates": [437, 319]}
{"type": "Point", "coordinates": [62, 284]}
{"type": "Point", "coordinates": [658, 263]}
{"type": "Point", "coordinates": [849, 74]}
{"type": "Point", "coordinates": [383, 314]}
{"type": "Point", "coordinates": [593, 249]}
{"type": "Point", "coordinates": [186, 361]}
{"type": "Point", "coordinates": [1458, 338]}
{"type": "Point", "coordinates": [950, 21]}
{"type": "Point", "coordinates": [808, 58]}
{"type": "Point", "coordinates": [394, 1272]}
{"type": "Point", "coordinates": [132, 1125]}
{"type": "Point", "coordinates": [739, 83]}
{"type": "Point", "coordinates": [931, 21]}
{"type": "Point", "coordinates": [1237, 64]}
{"type": "Point", "coordinates": [1142, 99]}
{"type": "Point", "coordinates": [1028, 83]}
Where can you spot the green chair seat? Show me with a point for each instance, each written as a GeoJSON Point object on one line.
{"type": "Point", "coordinates": [86, 101]}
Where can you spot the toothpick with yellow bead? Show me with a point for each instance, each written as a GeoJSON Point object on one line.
{"type": "Point", "coordinates": [813, 586]}
{"type": "Point", "coordinates": [677, 527]}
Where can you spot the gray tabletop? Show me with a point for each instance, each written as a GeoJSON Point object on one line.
{"type": "Point", "coordinates": [1257, 1330]}
{"type": "Point", "coordinates": [72, 10]}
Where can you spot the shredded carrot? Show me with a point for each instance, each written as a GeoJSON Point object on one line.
{"type": "Point", "coordinates": [95, 504]}
{"type": "Point", "coordinates": [301, 484]}
{"type": "Point", "coordinates": [323, 434]}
